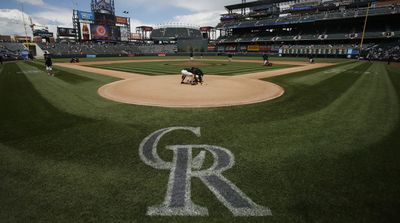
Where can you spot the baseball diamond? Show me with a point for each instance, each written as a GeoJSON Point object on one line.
{"type": "Point", "coordinates": [281, 111]}
{"type": "Point", "coordinates": [218, 91]}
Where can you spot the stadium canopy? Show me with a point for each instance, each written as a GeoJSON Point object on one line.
{"type": "Point", "coordinates": [253, 4]}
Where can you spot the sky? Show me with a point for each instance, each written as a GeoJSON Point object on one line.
{"type": "Point", "coordinates": [53, 13]}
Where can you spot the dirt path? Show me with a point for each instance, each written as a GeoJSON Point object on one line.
{"type": "Point", "coordinates": [167, 91]}
{"type": "Point", "coordinates": [112, 73]}
{"type": "Point", "coordinates": [273, 73]}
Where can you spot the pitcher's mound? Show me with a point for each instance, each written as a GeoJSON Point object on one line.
{"type": "Point", "coordinates": [167, 91]}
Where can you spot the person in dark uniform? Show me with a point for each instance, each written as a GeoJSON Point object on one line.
{"type": "Point", "coordinates": [390, 59]}
{"type": "Point", "coordinates": [198, 75]}
{"type": "Point", "coordinates": [49, 66]}
{"type": "Point", "coordinates": [230, 57]}
{"type": "Point", "coordinates": [369, 57]}
{"type": "Point", "coordinates": [311, 58]}
{"type": "Point", "coordinates": [1, 59]}
{"type": "Point", "coordinates": [191, 55]}
{"type": "Point", "coordinates": [266, 59]}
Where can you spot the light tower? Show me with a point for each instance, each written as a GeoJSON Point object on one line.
{"type": "Point", "coordinates": [103, 6]}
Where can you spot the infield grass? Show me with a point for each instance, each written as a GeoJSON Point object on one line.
{"type": "Point", "coordinates": [327, 151]}
{"type": "Point", "coordinates": [197, 57]}
{"type": "Point", "coordinates": [208, 67]}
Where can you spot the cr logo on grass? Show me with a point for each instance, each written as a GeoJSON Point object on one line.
{"type": "Point", "coordinates": [184, 167]}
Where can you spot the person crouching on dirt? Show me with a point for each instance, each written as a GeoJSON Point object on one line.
{"type": "Point", "coordinates": [266, 60]}
{"type": "Point", "coordinates": [74, 60]}
{"type": "Point", "coordinates": [198, 75]}
{"type": "Point", "coordinates": [186, 73]}
{"type": "Point", "coordinates": [194, 74]}
{"type": "Point", "coordinates": [230, 57]}
{"type": "Point", "coordinates": [311, 59]}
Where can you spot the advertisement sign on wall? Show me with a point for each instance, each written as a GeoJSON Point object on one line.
{"type": "Point", "coordinates": [211, 47]}
{"type": "Point", "coordinates": [121, 20]}
{"type": "Point", "coordinates": [230, 48]}
{"type": "Point", "coordinates": [85, 32]}
{"type": "Point", "coordinates": [136, 36]}
{"type": "Point", "coordinates": [148, 29]}
{"type": "Point", "coordinates": [254, 48]}
{"type": "Point", "coordinates": [124, 34]}
{"type": "Point", "coordinates": [205, 29]}
{"type": "Point", "coordinates": [265, 48]}
{"type": "Point", "coordinates": [85, 16]}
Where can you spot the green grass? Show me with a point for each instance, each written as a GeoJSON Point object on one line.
{"type": "Point", "coordinates": [174, 67]}
{"type": "Point", "coordinates": [196, 56]}
{"type": "Point", "coordinates": [327, 151]}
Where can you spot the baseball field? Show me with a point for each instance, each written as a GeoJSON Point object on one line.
{"type": "Point", "coordinates": [297, 142]}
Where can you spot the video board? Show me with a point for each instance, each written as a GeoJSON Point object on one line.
{"type": "Point", "coordinates": [104, 19]}
{"type": "Point", "coordinates": [42, 33]}
{"type": "Point", "coordinates": [115, 34]}
{"type": "Point", "coordinates": [100, 32]}
{"type": "Point", "coordinates": [103, 32]}
{"type": "Point", "coordinates": [67, 32]}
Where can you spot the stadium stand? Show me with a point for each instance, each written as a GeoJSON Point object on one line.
{"type": "Point", "coordinates": [333, 27]}
{"type": "Point", "coordinates": [384, 51]}
{"type": "Point", "coordinates": [101, 49]}
{"type": "Point", "coordinates": [11, 50]}
{"type": "Point", "coordinates": [175, 33]}
{"type": "Point", "coordinates": [187, 39]}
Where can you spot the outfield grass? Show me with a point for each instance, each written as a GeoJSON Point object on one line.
{"type": "Point", "coordinates": [196, 56]}
{"type": "Point", "coordinates": [327, 151]}
{"type": "Point", "coordinates": [174, 67]}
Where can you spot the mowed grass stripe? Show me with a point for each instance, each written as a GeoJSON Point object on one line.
{"type": "Point", "coordinates": [156, 69]}
{"type": "Point", "coordinates": [208, 67]}
{"type": "Point", "coordinates": [61, 74]}
{"type": "Point", "coordinates": [332, 153]}
{"type": "Point", "coordinates": [147, 71]}
{"type": "Point", "coordinates": [24, 112]}
{"type": "Point", "coordinates": [314, 79]}
{"type": "Point", "coordinates": [302, 99]}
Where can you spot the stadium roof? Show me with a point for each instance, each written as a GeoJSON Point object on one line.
{"type": "Point", "coordinates": [252, 4]}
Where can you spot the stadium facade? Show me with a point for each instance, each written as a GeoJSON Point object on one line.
{"type": "Point", "coordinates": [303, 28]}
{"type": "Point", "coordinates": [100, 24]}
{"type": "Point", "coordinates": [309, 27]}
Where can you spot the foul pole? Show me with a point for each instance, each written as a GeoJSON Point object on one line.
{"type": "Point", "coordinates": [23, 22]}
{"type": "Point", "coordinates": [365, 27]}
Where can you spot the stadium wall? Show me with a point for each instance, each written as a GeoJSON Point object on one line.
{"type": "Point", "coordinates": [196, 45]}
